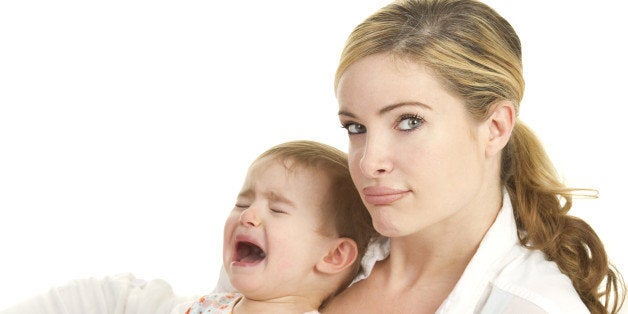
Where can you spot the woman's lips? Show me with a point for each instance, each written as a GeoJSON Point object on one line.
{"type": "Point", "coordinates": [377, 195]}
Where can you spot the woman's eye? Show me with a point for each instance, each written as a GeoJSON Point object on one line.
{"type": "Point", "coordinates": [410, 123]}
{"type": "Point", "coordinates": [355, 128]}
{"type": "Point", "coordinates": [241, 206]}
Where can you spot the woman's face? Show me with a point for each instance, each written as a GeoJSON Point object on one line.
{"type": "Point", "coordinates": [415, 154]}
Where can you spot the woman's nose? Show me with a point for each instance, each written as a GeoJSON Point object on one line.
{"type": "Point", "coordinates": [376, 157]}
{"type": "Point", "coordinates": [249, 218]}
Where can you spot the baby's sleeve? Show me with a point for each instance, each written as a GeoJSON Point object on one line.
{"type": "Point", "coordinates": [121, 294]}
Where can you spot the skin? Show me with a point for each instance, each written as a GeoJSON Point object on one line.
{"type": "Point", "coordinates": [429, 175]}
{"type": "Point", "coordinates": [279, 210]}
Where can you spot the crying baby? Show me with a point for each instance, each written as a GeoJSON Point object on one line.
{"type": "Point", "coordinates": [292, 239]}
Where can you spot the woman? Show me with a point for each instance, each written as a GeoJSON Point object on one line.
{"type": "Point", "coordinates": [429, 92]}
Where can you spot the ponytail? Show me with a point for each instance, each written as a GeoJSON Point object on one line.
{"type": "Point", "coordinates": [541, 203]}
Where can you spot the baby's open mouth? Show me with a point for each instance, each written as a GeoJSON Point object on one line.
{"type": "Point", "coordinates": [247, 252]}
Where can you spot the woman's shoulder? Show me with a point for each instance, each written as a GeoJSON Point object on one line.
{"type": "Point", "coordinates": [534, 282]}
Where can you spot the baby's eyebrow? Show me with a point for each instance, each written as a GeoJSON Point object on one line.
{"type": "Point", "coordinates": [248, 193]}
{"type": "Point", "coordinates": [276, 197]}
{"type": "Point", "coordinates": [271, 195]}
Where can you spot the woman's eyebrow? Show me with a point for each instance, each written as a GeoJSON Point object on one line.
{"type": "Point", "coordinates": [403, 104]}
{"type": "Point", "coordinates": [388, 108]}
{"type": "Point", "coordinates": [346, 113]}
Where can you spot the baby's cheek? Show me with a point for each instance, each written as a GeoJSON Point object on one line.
{"type": "Point", "coordinates": [231, 222]}
{"type": "Point", "coordinates": [289, 257]}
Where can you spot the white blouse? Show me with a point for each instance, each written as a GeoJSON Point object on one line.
{"type": "Point", "coordinates": [505, 277]}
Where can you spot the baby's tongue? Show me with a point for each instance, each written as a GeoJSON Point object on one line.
{"type": "Point", "coordinates": [250, 253]}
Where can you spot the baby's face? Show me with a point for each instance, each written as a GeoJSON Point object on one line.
{"type": "Point", "coordinates": [271, 238]}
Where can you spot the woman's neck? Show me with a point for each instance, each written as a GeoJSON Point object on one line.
{"type": "Point", "coordinates": [441, 252]}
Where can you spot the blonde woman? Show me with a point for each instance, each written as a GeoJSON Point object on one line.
{"type": "Point", "coordinates": [474, 214]}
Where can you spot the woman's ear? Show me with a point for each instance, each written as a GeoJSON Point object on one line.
{"type": "Point", "coordinates": [500, 125]}
{"type": "Point", "coordinates": [342, 253]}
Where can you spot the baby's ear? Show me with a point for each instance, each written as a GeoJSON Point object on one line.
{"type": "Point", "coordinates": [342, 253]}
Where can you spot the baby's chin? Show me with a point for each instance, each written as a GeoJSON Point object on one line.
{"type": "Point", "coordinates": [248, 283]}
{"type": "Point", "coordinates": [258, 290]}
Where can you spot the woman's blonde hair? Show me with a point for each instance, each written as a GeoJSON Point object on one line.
{"type": "Point", "coordinates": [477, 54]}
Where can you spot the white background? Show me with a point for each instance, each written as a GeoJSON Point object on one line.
{"type": "Point", "coordinates": [126, 127]}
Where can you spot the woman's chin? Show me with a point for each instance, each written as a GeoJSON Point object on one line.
{"type": "Point", "coordinates": [386, 228]}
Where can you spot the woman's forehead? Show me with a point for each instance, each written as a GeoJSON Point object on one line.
{"type": "Point", "coordinates": [382, 83]}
